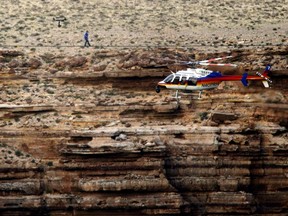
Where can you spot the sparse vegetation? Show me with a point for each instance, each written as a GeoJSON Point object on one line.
{"type": "Point", "coordinates": [139, 24]}
{"type": "Point", "coordinates": [18, 153]}
{"type": "Point", "coordinates": [203, 115]}
{"type": "Point", "coordinates": [50, 163]}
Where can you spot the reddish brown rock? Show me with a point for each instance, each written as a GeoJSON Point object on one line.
{"type": "Point", "coordinates": [61, 64]}
{"type": "Point", "coordinates": [11, 53]}
{"type": "Point", "coordinates": [99, 67]}
{"type": "Point", "coordinates": [76, 61]}
{"type": "Point", "coordinates": [80, 142]}
{"type": "Point", "coordinates": [34, 63]}
{"type": "Point", "coordinates": [222, 117]}
{"type": "Point", "coordinates": [14, 63]}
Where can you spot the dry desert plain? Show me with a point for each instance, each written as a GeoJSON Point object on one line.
{"type": "Point", "coordinates": [145, 23]}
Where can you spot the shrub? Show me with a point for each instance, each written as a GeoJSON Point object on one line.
{"type": "Point", "coordinates": [50, 163]}
{"type": "Point", "coordinates": [203, 115]}
{"type": "Point", "coordinates": [18, 153]}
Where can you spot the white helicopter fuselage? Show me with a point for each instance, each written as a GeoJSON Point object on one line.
{"type": "Point", "coordinates": [186, 80]}
{"type": "Point", "coordinates": [194, 72]}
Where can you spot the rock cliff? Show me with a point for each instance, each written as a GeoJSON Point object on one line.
{"type": "Point", "coordinates": [87, 135]}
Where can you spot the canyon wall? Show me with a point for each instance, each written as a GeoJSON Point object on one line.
{"type": "Point", "coordinates": [88, 134]}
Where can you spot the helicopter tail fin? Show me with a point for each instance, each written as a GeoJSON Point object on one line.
{"type": "Point", "coordinates": [267, 70]}
{"type": "Point", "coordinates": [244, 79]}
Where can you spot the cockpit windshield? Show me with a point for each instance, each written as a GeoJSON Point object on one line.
{"type": "Point", "coordinates": [168, 78]}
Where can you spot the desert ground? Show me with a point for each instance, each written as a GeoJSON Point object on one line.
{"type": "Point", "coordinates": [200, 24]}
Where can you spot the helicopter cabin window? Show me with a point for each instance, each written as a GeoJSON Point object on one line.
{"type": "Point", "coordinates": [169, 78]}
{"type": "Point", "coordinates": [183, 80]}
{"type": "Point", "coordinates": [176, 80]}
{"type": "Point", "coordinates": [192, 81]}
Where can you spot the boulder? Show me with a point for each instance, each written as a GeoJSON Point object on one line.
{"type": "Point", "coordinates": [222, 117]}
{"type": "Point", "coordinates": [11, 53]}
{"type": "Point", "coordinates": [167, 108]}
{"type": "Point", "coordinates": [14, 63]}
{"type": "Point", "coordinates": [61, 64]}
{"type": "Point", "coordinates": [100, 67]}
{"type": "Point", "coordinates": [121, 137]}
{"type": "Point", "coordinates": [34, 63]}
{"type": "Point", "coordinates": [76, 61]}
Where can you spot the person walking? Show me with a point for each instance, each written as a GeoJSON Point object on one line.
{"type": "Point", "coordinates": [86, 38]}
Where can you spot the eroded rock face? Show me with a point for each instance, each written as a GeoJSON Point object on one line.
{"type": "Point", "coordinates": [11, 53]}
{"type": "Point", "coordinates": [84, 141]}
{"type": "Point", "coordinates": [76, 61]}
{"type": "Point", "coordinates": [34, 63]}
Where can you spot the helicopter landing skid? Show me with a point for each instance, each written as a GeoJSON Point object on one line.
{"type": "Point", "coordinates": [199, 96]}
{"type": "Point", "coordinates": [177, 97]}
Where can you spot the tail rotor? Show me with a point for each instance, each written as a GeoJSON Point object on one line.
{"type": "Point", "coordinates": [264, 76]}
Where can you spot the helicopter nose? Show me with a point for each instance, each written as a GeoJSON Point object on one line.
{"type": "Point", "coordinates": [161, 82]}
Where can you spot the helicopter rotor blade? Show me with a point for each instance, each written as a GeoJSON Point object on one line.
{"type": "Point", "coordinates": [207, 62]}
{"type": "Point", "coordinates": [187, 62]}
{"type": "Point", "coordinates": [211, 64]}
{"type": "Point", "coordinates": [216, 59]}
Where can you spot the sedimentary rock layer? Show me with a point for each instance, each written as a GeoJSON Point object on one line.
{"type": "Point", "coordinates": [76, 140]}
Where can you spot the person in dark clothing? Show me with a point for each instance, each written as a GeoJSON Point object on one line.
{"type": "Point", "coordinates": [86, 38]}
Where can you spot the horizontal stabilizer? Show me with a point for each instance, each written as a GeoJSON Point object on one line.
{"type": "Point", "coordinates": [265, 83]}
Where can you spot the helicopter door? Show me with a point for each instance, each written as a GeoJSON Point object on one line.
{"type": "Point", "coordinates": [184, 83]}
{"type": "Point", "coordinates": [192, 81]}
{"type": "Point", "coordinates": [176, 80]}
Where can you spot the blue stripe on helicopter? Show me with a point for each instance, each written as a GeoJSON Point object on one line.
{"type": "Point", "coordinates": [211, 75]}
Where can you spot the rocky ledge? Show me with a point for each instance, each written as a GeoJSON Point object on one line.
{"type": "Point", "coordinates": [88, 135]}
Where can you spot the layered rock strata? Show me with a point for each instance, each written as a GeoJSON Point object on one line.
{"type": "Point", "coordinates": [75, 141]}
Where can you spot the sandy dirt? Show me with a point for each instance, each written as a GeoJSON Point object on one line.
{"type": "Point", "coordinates": [200, 24]}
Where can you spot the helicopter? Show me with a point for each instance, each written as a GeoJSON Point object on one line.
{"type": "Point", "coordinates": [198, 79]}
